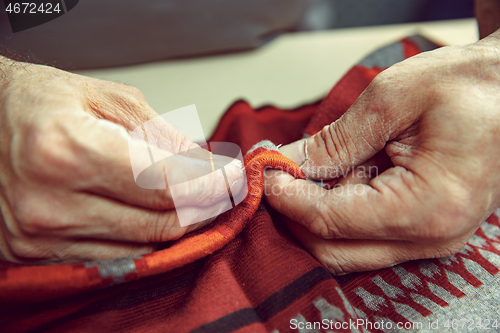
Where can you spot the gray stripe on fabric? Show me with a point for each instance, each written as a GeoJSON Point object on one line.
{"type": "Point", "coordinates": [116, 268]}
{"type": "Point", "coordinates": [423, 43]}
{"type": "Point", "coordinates": [263, 144]}
{"type": "Point", "coordinates": [385, 57]}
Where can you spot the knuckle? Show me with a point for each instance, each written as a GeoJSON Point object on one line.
{"type": "Point", "coordinates": [30, 222]}
{"type": "Point", "coordinates": [162, 229]}
{"type": "Point", "coordinates": [131, 98]}
{"type": "Point", "coordinates": [333, 147]}
{"type": "Point", "coordinates": [378, 86]}
{"type": "Point", "coordinates": [320, 228]}
{"type": "Point", "coordinates": [22, 248]}
{"type": "Point", "coordinates": [30, 215]}
{"type": "Point", "coordinates": [43, 149]}
{"type": "Point", "coordinates": [121, 103]}
{"type": "Point", "coordinates": [24, 211]}
{"type": "Point", "coordinates": [342, 147]}
{"type": "Point", "coordinates": [135, 93]}
{"type": "Point", "coordinates": [379, 82]}
{"type": "Point", "coordinates": [335, 143]}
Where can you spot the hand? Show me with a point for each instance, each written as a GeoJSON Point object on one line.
{"type": "Point", "coordinates": [437, 117]}
{"type": "Point", "coordinates": [66, 186]}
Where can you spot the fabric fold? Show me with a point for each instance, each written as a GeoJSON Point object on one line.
{"type": "Point", "coordinates": [245, 272]}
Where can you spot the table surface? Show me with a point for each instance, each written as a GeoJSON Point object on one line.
{"type": "Point", "coordinates": [291, 70]}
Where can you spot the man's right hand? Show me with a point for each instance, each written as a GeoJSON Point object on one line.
{"type": "Point", "coordinates": [66, 186]}
{"type": "Point", "coordinates": [430, 124]}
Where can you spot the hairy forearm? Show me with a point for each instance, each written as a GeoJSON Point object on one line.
{"type": "Point", "coordinates": [11, 69]}
{"type": "Point", "coordinates": [5, 67]}
{"type": "Point", "coordinates": [8, 68]}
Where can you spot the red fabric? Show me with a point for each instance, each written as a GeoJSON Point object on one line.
{"type": "Point", "coordinates": [341, 97]}
{"type": "Point", "coordinates": [244, 272]}
{"type": "Point", "coordinates": [245, 126]}
{"type": "Point", "coordinates": [35, 283]}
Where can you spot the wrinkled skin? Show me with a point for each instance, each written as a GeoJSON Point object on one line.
{"type": "Point", "coordinates": [67, 191]}
{"type": "Point", "coordinates": [66, 186]}
{"type": "Point", "coordinates": [436, 118]}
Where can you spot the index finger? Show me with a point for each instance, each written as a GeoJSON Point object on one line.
{"type": "Point", "coordinates": [92, 155]}
{"type": "Point", "coordinates": [397, 205]}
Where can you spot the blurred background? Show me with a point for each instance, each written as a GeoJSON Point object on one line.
{"type": "Point", "coordinates": [331, 14]}
{"type": "Point", "coordinates": [212, 52]}
{"type": "Point", "coordinates": [98, 33]}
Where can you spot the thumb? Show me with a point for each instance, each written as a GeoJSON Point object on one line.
{"type": "Point", "coordinates": [351, 140]}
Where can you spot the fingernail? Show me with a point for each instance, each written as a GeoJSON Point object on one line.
{"type": "Point", "coordinates": [295, 151]}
